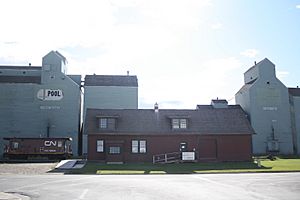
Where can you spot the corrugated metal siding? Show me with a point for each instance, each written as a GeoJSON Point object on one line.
{"type": "Point", "coordinates": [20, 79]}
{"type": "Point", "coordinates": [23, 115]}
{"type": "Point", "coordinates": [266, 101]}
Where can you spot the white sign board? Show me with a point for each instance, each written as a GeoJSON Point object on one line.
{"type": "Point", "coordinates": [50, 94]}
{"type": "Point", "coordinates": [188, 156]}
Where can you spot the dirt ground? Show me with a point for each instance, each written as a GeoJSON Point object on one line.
{"type": "Point", "coordinates": [26, 168]}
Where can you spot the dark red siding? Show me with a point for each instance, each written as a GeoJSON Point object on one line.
{"type": "Point", "coordinates": [207, 149]}
{"type": "Point", "coordinates": [232, 147]}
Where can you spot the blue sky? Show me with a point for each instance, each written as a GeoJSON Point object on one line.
{"type": "Point", "coordinates": [183, 52]}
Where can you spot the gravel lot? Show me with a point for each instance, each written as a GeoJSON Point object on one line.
{"type": "Point", "coordinates": [26, 168]}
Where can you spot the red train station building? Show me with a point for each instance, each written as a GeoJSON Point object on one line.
{"type": "Point", "coordinates": [216, 132]}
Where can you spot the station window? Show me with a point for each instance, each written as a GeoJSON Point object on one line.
{"type": "Point", "coordinates": [183, 123]}
{"type": "Point", "coordinates": [106, 123]}
{"type": "Point", "coordinates": [142, 146]}
{"type": "Point", "coordinates": [134, 146]}
{"type": "Point", "coordinates": [100, 146]}
{"type": "Point", "coordinates": [175, 123]}
{"type": "Point", "coordinates": [103, 123]}
{"type": "Point", "coordinates": [138, 146]}
{"type": "Point", "coordinates": [179, 123]}
{"type": "Point", "coordinates": [114, 150]}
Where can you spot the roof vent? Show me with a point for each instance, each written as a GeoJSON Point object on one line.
{"type": "Point", "coordinates": [219, 103]}
{"type": "Point", "coordinates": [156, 107]}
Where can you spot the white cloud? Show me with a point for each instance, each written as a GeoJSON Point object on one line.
{"type": "Point", "coordinates": [193, 84]}
{"type": "Point", "coordinates": [40, 26]}
{"type": "Point", "coordinates": [250, 53]}
{"type": "Point", "coordinates": [298, 6]}
{"type": "Point", "coordinates": [216, 26]}
{"type": "Point", "coordinates": [156, 47]}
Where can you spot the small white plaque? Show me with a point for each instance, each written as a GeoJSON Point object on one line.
{"type": "Point", "coordinates": [188, 156]}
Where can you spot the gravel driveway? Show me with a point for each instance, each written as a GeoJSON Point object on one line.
{"type": "Point", "coordinates": [26, 168]}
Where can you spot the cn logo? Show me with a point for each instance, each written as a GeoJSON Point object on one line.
{"type": "Point", "coordinates": [49, 143]}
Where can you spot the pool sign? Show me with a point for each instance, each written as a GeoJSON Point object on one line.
{"type": "Point", "coordinates": [50, 94]}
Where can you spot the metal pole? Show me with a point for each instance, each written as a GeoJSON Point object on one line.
{"type": "Point", "coordinates": [48, 130]}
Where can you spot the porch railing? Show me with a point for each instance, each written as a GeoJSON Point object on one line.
{"type": "Point", "coordinates": [167, 158]}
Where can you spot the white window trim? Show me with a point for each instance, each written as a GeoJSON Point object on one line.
{"type": "Point", "coordinates": [100, 146]}
{"type": "Point", "coordinates": [114, 148]}
{"type": "Point", "coordinates": [103, 123]}
{"type": "Point", "coordinates": [175, 124]}
{"type": "Point", "coordinates": [15, 145]}
{"type": "Point", "coordinates": [179, 123]}
{"type": "Point", "coordinates": [183, 123]}
{"type": "Point", "coordinates": [143, 148]}
{"type": "Point", "coordinates": [134, 146]}
{"type": "Point", "coordinates": [138, 147]}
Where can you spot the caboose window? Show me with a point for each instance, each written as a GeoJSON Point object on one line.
{"type": "Point", "coordinates": [15, 145]}
{"type": "Point", "coordinates": [59, 144]}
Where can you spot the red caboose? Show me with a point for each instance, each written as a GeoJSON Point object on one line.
{"type": "Point", "coordinates": [30, 148]}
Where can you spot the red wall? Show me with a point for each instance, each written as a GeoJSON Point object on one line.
{"type": "Point", "coordinates": [208, 148]}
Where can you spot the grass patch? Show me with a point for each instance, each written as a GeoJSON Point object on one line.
{"type": "Point", "coordinates": [282, 164]}
{"type": "Point", "coordinates": [103, 172]}
{"type": "Point", "coordinates": [278, 165]}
